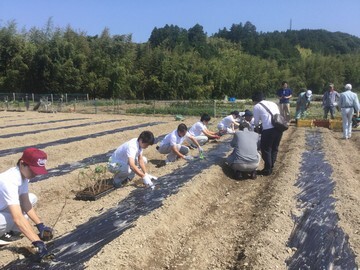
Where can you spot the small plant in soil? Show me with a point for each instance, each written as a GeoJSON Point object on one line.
{"type": "Point", "coordinates": [93, 181]}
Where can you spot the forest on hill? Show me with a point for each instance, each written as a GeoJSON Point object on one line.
{"type": "Point", "coordinates": [175, 63]}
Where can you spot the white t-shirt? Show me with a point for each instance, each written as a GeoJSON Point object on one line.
{"type": "Point", "coordinates": [197, 129]}
{"type": "Point", "coordinates": [227, 121]}
{"type": "Point", "coordinates": [130, 149]}
{"type": "Point", "coordinates": [11, 187]}
{"type": "Point", "coordinates": [173, 138]}
{"type": "Point", "coordinates": [261, 114]}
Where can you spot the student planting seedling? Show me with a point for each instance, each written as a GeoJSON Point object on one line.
{"type": "Point", "coordinates": [128, 160]}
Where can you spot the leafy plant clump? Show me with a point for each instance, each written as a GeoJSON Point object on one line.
{"type": "Point", "coordinates": [94, 180]}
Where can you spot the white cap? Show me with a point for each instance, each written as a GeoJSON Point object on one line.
{"type": "Point", "coordinates": [308, 93]}
{"type": "Point", "coordinates": [348, 86]}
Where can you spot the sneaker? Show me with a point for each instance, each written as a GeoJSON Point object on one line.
{"type": "Point", "coordinates": [253, 175]}
{"type": "Point", "coordinates": [266, 172]}
{"type": "Point", "coordinates": [167, 162]}
{"type": "Point", "coordinates": [8, 238]}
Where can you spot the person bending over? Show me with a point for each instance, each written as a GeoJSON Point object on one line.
{"type": "Point", "coordinates": [128, 160]}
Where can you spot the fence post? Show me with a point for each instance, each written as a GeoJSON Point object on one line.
{"type": "Point", "coordinates": [95, 105]}
{"type": "Point", "coordinates": [66, 98]}
{"type": "Point", "coordinates": [215, 108]}
{"type": "Point", "coordinates": [52, 98]}
{"type": "Point", "coordinates": [14, 97]}
{"type": "Point", "coordinates": [33, 97]}
{"type": "Point", "coordinates": [154, 108]}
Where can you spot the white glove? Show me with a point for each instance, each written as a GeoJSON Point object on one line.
{"type": "Point", "coordinates": [152, 177]}
{"type": "Point", "coordinates": [201, 150]}
{"type": "Point", "coordinates": [147, 181]}
{"type": "Point", "coordinates": [189, 158]}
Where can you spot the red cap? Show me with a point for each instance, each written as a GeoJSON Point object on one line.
{"type": "Point", "coordinates": [35, 159]}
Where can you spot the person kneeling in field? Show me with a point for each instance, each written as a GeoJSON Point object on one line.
{"type": "Point", "coordinates": [245, 157]}
{"type": "Point", "coordinates": [128, 160]}
{"type": "Point", "coordinates": [200, 131]}
{"type": "Point", "coordinates": [172, 144]}
{"type": "Point", "coordinates": [16, 203]}
{"type": "Point", "coordinates": [228, 123]}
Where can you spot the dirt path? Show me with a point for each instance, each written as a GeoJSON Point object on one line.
{"type": "Point", "coordinates": [213, 222]}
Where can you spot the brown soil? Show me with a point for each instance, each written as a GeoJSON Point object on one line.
{"type": "Point", "coordinates": [213, 222]}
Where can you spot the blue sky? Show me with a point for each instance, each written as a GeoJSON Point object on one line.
{"type": "Point", "coordinates": [139, 17]}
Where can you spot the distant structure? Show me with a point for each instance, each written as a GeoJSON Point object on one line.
{"type": "Point", "coordinates": [290, 24]}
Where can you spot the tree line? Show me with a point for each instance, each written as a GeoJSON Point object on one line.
{"type": "Point", "coordinates": [175, 63]}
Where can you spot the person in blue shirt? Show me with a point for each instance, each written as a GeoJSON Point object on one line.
{"type": "Point", "coordinates": [284, 94]}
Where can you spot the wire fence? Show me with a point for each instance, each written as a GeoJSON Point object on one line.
{"type": "Point", "coordinates": [81, 103]}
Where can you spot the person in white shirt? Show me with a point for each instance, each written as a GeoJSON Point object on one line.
{"type": "Point", "coordinates": [228, 123]}
{"type": "Point", "coordinates": [16, 203]}
{"type": "Point", "coordinates": [348, 102]}
{"type": "Point", "coordinates": [200, 131]}
{"type": "Point", "coordinates": [270, 136]}
{"type": "Point", "coordinates": [172, 144]}
{"type": "Point", "coordinates": [128, 160]}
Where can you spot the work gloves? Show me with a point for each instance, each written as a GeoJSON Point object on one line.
{"type": "Point", "coordinates": [147, 180]}
{"type": "Point", "coordinates": [41, 252]}
{"type": "Point", "coordinates": [188, 158]}
{"type": "Point", "coordinates": [45, 233]}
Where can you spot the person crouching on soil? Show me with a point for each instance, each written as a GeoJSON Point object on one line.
{"type": "Point", "coordinates": [16, 203]}
{"type": "Point", "coordinates": [228, 123]}
{"type": "Point", "coordinates": [172, 144]}
{"type": "Point", "coordinates": [245, 157]}
{"type": "Point", "coordinates": [270, 136]}
{"type": "Point", "coordinates": [128, 160]}
{"type": "Point", "coordinates": [200, 131]}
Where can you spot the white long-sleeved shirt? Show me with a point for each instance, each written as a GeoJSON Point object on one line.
{"type": "Point", "coordinates": [261, 114]}
{"type": "Point", "coordinates": [349, 99]}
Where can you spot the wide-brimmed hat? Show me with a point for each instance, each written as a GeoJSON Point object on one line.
{"type": "Point", "coordinates": [308, 93]}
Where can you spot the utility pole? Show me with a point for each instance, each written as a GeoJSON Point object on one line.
{"type": "Point", "coordinates": [290, 24]}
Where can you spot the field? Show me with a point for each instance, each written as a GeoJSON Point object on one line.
{"type": "Point", "coordinates": [199, 217]}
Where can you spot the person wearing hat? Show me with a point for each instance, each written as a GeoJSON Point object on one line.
{"type": "Point", "coordinates": [348, 102]}
{"type": "Point", "coordinates": [270, 136]}
{"type": "Point", "coordinates": [247, 120]}
{"type": "Point", "coordinates": [228, 123]}
{"type": "Point", "coordinates": [284, 94]}
{"type": "Point", "coordinates": [302, 104]}
{"type": "Point", "coordinates": [16, 203]}
{"type": "Point", "coordinates": [330, 101]}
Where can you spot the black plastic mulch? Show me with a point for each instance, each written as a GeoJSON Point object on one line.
{"type": "Point", "coordinates": [42, 123]}
{"type": "Point", "coordinates": [57, 128]}
{"type": "Point", "coordinates": [77, 247]}
{"type": "Point", "coordinates": [11, 151]}
{"type": "Point", "coordinates": [320, 243]}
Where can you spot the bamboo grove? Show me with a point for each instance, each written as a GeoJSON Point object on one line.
{"type": "Point", "coordinates": [175, 63]}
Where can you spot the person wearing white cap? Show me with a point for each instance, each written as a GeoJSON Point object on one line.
{"type": "Point", "coordinates": [303, 103]}
{"type": "Point", "coordinates": [348, 102]}
{"type": "Point", "coordinates": [16, 203]}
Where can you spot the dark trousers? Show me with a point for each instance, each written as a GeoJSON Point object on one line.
{"type": "Point", "coordinates": [269, 145]}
